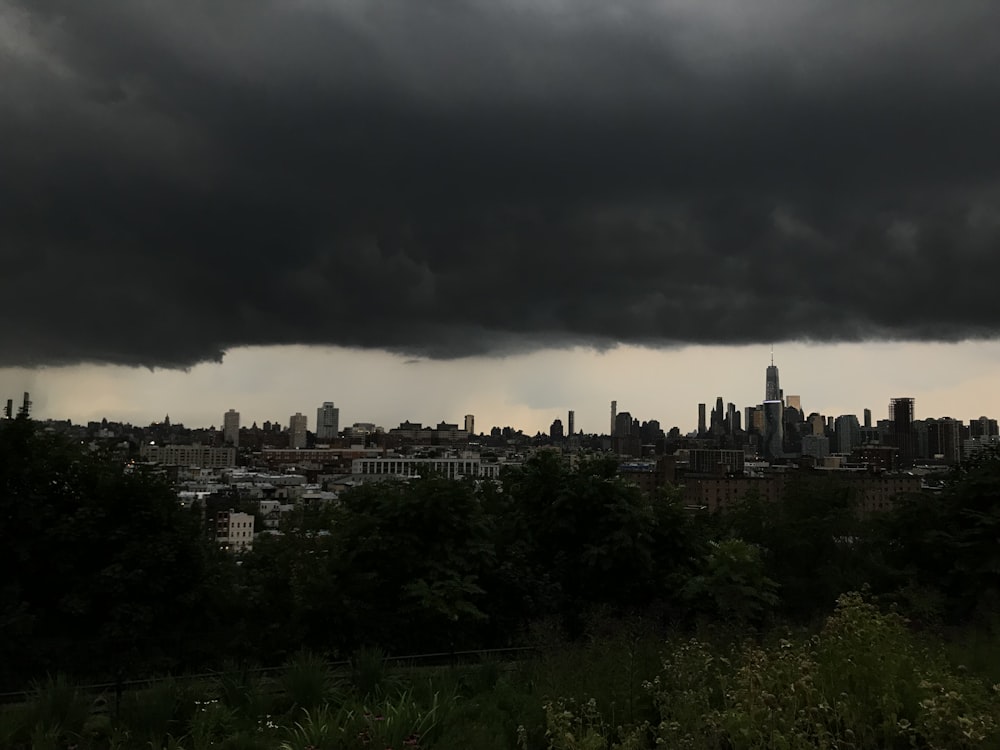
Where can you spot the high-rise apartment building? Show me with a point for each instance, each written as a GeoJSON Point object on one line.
{"type": "Point", "coordinates": [231, 428]}
{"type": "Point", "coordinates": [614, 416]}
{"type": "Point", "coordinates": [470, 424]}
{"type": "Point", "coordinates": [901, 430]}
{"type": "Point", "coordinates": [847, 433]}
{"type": "Point", "coordinates": [982, 427]}
{"type": "Point", "coordinates": [571, 423]}
{"type": "Point", "coordinates": [297, 424]}
{"type": "Point", "coordinates": [702, 425]}
{"type": "Point", "coordinates": [327, 422]}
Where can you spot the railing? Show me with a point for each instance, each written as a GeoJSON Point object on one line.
{"type": "Point", "coordinates": [434, 659]}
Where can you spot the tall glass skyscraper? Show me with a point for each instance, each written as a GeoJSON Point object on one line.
{"type": "Point", "coordinates": [772, 391]}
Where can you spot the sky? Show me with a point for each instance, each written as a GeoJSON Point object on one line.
{"type": "Point", "coordinates": [505, 208]}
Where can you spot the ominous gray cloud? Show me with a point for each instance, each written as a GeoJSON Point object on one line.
{"type": "Point", "coordinates": [453, 177]}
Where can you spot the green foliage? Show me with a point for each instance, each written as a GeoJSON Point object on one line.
{"type": "Point", "coordinates": [56, 702]}
{"type": "Point", "coordinates": [105, 573]}
{"type": "Point", "coordinates": [322, 728]}
{"type": "Point", "coordinates": [813, 542]}
{"type": "Point", "coordinates": [15, 724]}
{"type": "Point", "coordinates": [572, 726]}
{"type": "Point", "coordinates": [397, 565]}
{"type": "Point", "coordinates": [733, 586]}
{"type": "Point", "coordinates": [212, 723]}
{"type": "Point", "coordinates": [246, 693]}
{"type": "Point", "coordinates": [307, 682]}
{"type": "Point", "coordinates": [863, 682]}
{"type": "Point", "coordinates": [398, 722]}
{"type": "Point", "coordinates": [371, 676]}
{"type": "Point", "coordinates": [941, 554]}
{"type": "Point", "coordinates": [102, 567]}
{"type": "Point", "coordinates": [161, 710]}
{"type": "Point", "coordinates": [568, 539]}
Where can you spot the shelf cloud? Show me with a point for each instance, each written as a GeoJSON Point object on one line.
{"type": "Point", "coordinates": [460, 177]}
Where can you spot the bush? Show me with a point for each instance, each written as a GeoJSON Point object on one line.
{"type": "Point", "coordinates": [863, 682]}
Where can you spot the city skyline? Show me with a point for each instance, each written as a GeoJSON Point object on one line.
{"type": "Point", "coordinates": [569, 193]}
{"type": "Point", "coordinates": [526, 392]}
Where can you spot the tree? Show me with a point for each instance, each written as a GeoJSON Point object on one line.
{"type": "Point", "coordinates": [812, 541]}
{"type": "Point", "coordinates": [732, 585]}
{"type": "Point", "coordinates": [102, 566]}
{"type": "Point", "coordinates": [583, 536]}
{"type": "Point", "coordinates": [409, 558]}
{"type": "Point", "coordinates": [941, 551]}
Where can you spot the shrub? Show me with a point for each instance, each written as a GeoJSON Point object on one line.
{"type": "Point", "coordinates": [863, 682]}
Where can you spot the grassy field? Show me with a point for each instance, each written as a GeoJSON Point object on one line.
{"type": "Point", "coordinates": [863, 680]}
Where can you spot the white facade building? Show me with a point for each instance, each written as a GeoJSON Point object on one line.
{"type": "Point", "coordinates": [234, 531]}
{"type": "Point", "coordinates": [453, 468]}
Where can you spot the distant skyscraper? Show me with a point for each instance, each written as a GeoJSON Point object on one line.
{"type": "Point", "coordinates": [556, 430]}
{"type": "Point", "coordinates": [614, 416]}
{"type": "Point", "coordinates": [868, 418]}
{"type": "Point", "coordinates": [902, 434]}
{"type": "Point", "coordinates": [571, 423]}
{"type": "Point", "coordinates": [732, 418]}
{"type": "Point", "coordinates": [772, 391]}
{"type": "Point", "coordinates": [470, 424]}
{"type": "Point", "coordinates": [231, 428]}
{"type": "Point", "coordinates": [327, 421]}
{"type": "Point", "coordinates": [702, 426]}
{"type": "Point", "coordinates": [623, 424]}
{"type": "Point", "coordinates": [847, 433]}
{"type": "Point", "coordinates": [816, 424]}
{"type": "Point", "coordinates": [982, 427]}
{"type": "Point", "coordinates": [817, 446]}
{"type": "Point", "coordinates": [944, 439]}
{"type": "Point", "coordinates": [297, 424]}
{"type": "Point", "coordinates": [774, 430]}
{"type": "Point", "coordinates": [718, 416]}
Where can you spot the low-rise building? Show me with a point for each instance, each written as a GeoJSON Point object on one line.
{"type": "Point", "coordinates": [196, 455]}
{"type": "Point", "coordinates": [234, 531]}
{"type": "Point", "coordinates": [468, 465]}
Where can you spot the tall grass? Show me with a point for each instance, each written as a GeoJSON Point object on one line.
{"type": "Point", "coordinates": [863, 682]}
{"type": "Point", "coordinates": [371, 674]}
{"type": "Point", "coordinates": [307, 683]}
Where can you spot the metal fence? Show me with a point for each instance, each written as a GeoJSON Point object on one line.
{"type": "Point", "coordinates": [435, 659]}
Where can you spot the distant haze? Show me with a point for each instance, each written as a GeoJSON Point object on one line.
{"type": "Point", "coordinates": [524, 391]}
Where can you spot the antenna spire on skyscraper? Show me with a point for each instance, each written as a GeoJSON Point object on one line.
{"type": "Point", "coordinates": [772, 391]}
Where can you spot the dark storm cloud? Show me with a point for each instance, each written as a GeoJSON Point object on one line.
{"type": "Point", "coordinates": [453, 177]}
